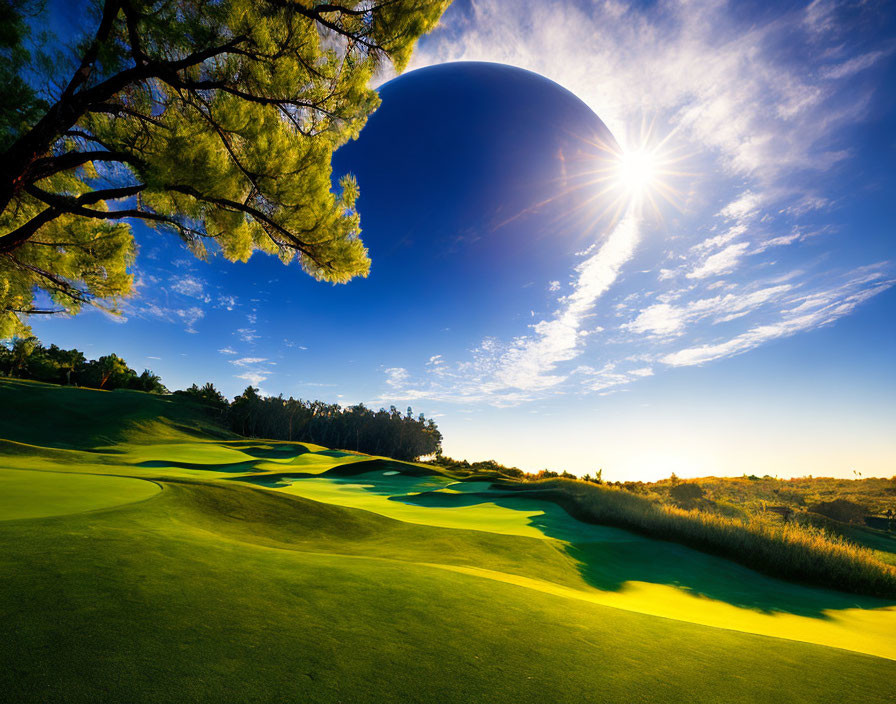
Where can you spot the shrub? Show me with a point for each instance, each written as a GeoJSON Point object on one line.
{"type": "Point", "coordinates": [841, 510]}
{"type": "Point", "coordinates": [686, 494]}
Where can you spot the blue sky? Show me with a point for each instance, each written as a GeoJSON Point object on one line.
{"type": "Point", "coordinates": [737, 316]}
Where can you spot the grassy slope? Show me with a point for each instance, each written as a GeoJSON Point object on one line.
{"type": "Point", "coordinates": [216, 590]}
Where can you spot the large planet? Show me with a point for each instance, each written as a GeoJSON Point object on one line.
{"type": "Point", "coordinates": [479, 181]}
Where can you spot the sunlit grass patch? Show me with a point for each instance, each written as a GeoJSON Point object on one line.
{"type": "Point", "coordinates": [34, 494]}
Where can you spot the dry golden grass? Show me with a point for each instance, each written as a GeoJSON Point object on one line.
{"type": "Point", "coordinates": [797, 552]}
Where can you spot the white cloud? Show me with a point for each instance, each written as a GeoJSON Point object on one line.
{"type": "Point", "coordinates": [693, 64]}
{"type": "Point", "coordinates": [658, 319]}
{"type": "Point", "coordinates": [743, 207]}
{"type": "Point", "coordinates": [717, 241]}
{"type": "Point", "coordinates": [254, 370]}
{"type": "Point", "coordinates": [530, 360]}
{"type": "Point", "coordinates": [191, 286]}
{"type": "Point", "coordinates": [227, 350]}
{"type": "Point", "coordinates": [227, 302]}
{"type": "Point", "coordinates": [248, 361]}
{"type": "Point", "coordinates": [609, 376]}
{"type": "Point", "coordinates": [396, 376]}
{"type": "Point", "coordinates": [663, 319]}
{"type": "Point", "coordinates": [854, 65]}
{"type": "Point", "coordinates": [190, 316]}
{"type": "Point", "coordinates": [507, 372]}
{"type": "Point", "coordinates": [247, 334]}
{"type": "Point", "coordinates": [720, 262]}
{"type": "Point", "coordinates": [809, 313]}
{"type": "Point", "coordinates": [255, 377]}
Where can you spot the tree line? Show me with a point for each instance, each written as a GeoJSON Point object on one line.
{"type": "Point", "coordinates": [27, 358]}
{"type": "Point", "coordinates": [390, 433]}
{"type": "Point", "coordinates": [358, 428]}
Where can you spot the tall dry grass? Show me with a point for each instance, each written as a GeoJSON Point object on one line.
{"type": "Point", "coordinates": [801, 553]}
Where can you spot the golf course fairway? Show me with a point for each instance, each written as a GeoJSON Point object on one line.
{"type": "Point", "coordinates": [161, 559]}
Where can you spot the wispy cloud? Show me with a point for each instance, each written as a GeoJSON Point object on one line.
{"type": "Point", "coordinates": [247, 334]}
{"type": "Point", "coordinates": [248, 361]}
{"type": "Point", "coordinates": [806, 313]}
{"type": "Point", "coordinates": [511, 372]}
{"type": "Point", "coordinates": [608, 378]}
{"type": "Point", "coordinates": [721, 262]}
{"type": "Point", "coordinates": [255, 369]}
{"type": "Point", "coordinates": [189, 285]}
{"type": "Point", "coordinates": [531, 360]}
{"type": "Point", "coordinates": [227, 302]}
{"type": "Point", "coordinates": [255, 377]}
{"type": "Point", "coordinates": [190, 316]}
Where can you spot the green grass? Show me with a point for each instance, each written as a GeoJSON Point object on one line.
{"type": "Point", "coordinates": [47, 415]}
{"type": "Point", "coordinates": [25, 494]}
{"type": "Point", "coordinates": [219, 587]}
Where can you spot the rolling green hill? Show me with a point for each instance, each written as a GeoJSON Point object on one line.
{"type": "Point", "coordinates": [146, 555]}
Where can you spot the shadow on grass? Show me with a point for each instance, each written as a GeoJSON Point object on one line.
{"type": "Point", "coordinates": [277, 480]}
{"type": "Point", "coordinates": [273, 452]}
{"type": "Point", "coordinates": [233, 467]}
{"type": "Point", "coordinates": [608, 557]}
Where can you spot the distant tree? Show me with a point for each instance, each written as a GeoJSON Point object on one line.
{"type": "Point", "coordinates": [149, 382]}
{"type": "Point", "coordinates": [207, 394]}
{"type": "Point", "coordinates": [108, 372]}
{"type": "Point", "coordinates": [214, 120]}
{"type": "Point", "coordinates": [17, 354]}
{"type": "Point", "coordinates": [546, 474]}
{"type": "Point", "coordinates": [389, 433]}
{"type": "Point", "coordinates": [842, 510]}
{"type": "Point", "coordinates": [67, 362]}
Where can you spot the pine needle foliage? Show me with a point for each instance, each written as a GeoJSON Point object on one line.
{"type": "Point", "coordinates": [212, 119]}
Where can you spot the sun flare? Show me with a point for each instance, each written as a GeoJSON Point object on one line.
{"type": "Point", "coordinates": [637, 171]}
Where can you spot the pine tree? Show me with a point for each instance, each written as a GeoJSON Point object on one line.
{"type": "Point", "coordinates": [212, 119]}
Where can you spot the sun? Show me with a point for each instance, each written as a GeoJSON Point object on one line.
{"type": "Point", "coordinates": [644, 175]}
{"type": "Point", "coordinates": [640, 178]}
{"type": "Point", "coordinates": [637, 171]}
